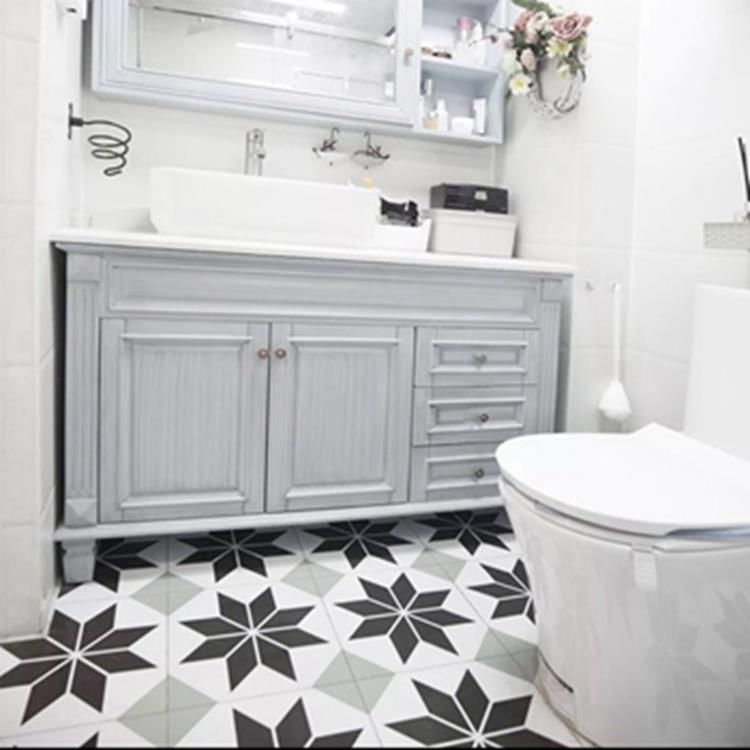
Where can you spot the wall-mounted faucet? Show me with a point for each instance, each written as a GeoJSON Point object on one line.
{"type": "Point", "coordinates": [255, 152]}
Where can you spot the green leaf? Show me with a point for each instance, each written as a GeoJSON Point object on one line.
{"type": "Point", "coordinates": [534, 6]}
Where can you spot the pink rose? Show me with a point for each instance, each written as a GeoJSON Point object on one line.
{"type": "Point", "coordinates": [522, 20]}
{"type": "Point", "coordinates": [528, 60]}
{"type": "Point", "coordinates": [570, 27]}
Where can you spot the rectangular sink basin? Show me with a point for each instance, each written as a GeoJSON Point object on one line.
{"type": "Point", "coordinates": [223, 205]}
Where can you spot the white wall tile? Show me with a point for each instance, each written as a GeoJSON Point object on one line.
{"type": "Point", "coordinates": [605, 213]}
{"type": "Point", "coordinates": [20, 19]}
{"type": "Point", "coordinates": [19, 445]}
{"type": "Point", "coordinates": [19, 110]}
{"type": "Point", "coordinates": [657, 389]}
{"type": "Point", "coordinates": [20, 577]}
{"type": "Point", "coordinates": [18, 286]}
{"type": "Point", "coordinates": [663, 296]}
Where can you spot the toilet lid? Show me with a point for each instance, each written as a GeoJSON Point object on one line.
{"type": "Point", "coordinates": [654, 482]}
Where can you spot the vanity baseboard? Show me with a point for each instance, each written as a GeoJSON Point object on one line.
{"type": "Point", "coordinates": [218, 391]}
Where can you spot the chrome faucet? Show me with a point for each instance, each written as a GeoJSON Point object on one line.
{"type": "Point", "coordinates": [255, 152]}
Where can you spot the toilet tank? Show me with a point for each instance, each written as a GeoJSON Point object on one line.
{"type": "Point", "coordinates": [718, 405]}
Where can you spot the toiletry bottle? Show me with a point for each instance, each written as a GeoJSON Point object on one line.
{"type": "Point", "coordinates": [443, 118]}
{"type": "Point", "coordinates": [478, 44]}
{"type": "Point", "coordinates": [480, 116]}
{"type": "Point", "coordinates": [425, 102]}
{"type": "Point", "coordinates": [462, 47]}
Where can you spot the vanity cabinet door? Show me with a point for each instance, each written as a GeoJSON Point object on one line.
{"type": "Point", "coordinates": [339, 416]}
{"type": "Point", "coordinates": [183, 419]}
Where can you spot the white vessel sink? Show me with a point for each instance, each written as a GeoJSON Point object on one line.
{"type": "Point", "coordinates": [223, 205]}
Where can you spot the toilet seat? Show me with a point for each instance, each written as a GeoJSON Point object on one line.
{"type": "Point", "coordinates": [653, 483]}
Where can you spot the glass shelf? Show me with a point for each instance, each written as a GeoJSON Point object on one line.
{"type": "Point", "coordinates": [457, 71]}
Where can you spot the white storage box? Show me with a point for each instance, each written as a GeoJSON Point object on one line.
{"type": "Point", "coordinates": [471, 233]}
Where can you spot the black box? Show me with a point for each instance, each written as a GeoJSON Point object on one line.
{"type": "Point", "coordinates": [492, 200]}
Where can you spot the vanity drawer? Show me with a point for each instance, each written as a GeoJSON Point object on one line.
{"type": "Point", "coordinates": [454, 472]}
{"type": "Point", "coordinates": [476, 356]}
{"type": "Point", "coordinates": [445, 416]}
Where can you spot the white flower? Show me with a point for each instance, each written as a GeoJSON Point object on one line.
{"type": "Point", "coordinates": [559, 47]}
{"type": "Point", "coordinates": [510, 63]}
{"type": "Point", "coordinates": [520, 84]}
{"type": "Point", "coordinates": [538, 22]}
{"type": "Point", "coordinates": [528, 59]}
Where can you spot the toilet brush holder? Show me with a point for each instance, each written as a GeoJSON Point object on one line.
{"type": "Point", "coordinates": [615, 404]}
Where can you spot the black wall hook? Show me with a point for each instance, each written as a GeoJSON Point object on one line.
{"type": "Point", "coordinates": [106, 146]}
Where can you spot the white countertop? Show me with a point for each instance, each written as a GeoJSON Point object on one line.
{"type": "Point", "coordinates": [124, 241]}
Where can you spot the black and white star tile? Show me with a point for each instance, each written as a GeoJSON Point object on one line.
{"type": "Point", "coordinates": [124, 567]}
{"type": "Point", "coordinates": [466, 705]}
{"type": "Point", "coordinates": [96, 661]}
{"type": "Point", "coordinates": [465, 535]}
{"type": "Point", "coordinates": [234, 558]}
{"type": "Point", "coordinates": [361, 545]}
{"type": "Point", "coordinates": [499, 591]}
{"type": "Point", "coordinates": [242, 642]}
{"type": "Point", "coordinates": [402, 620]}
{"type": "Point", "coordinates": [289, 720]}
{"type": "Point", "coordinates": [387, 633]}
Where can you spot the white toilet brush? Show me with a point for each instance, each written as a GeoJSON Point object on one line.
{"type": "Point", "coordinates": [615, 405]}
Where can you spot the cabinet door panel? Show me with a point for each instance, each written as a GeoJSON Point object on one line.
{"type": "Point", "coordinates": [183, 419]}
{"type": "Point", "coordinates": [340, 412]}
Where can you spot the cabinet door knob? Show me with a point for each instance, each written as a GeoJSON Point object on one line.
{"type": "Point", "coordinates": [480, 359]}
{"type": "Point", "coordinates": [484, 418]}
{"type": "Point", "coordinates": [479, 474]}
{"type": "Point", "coordinates": [263, 354]}
{"type": "Point", "coordinates": [281, 353]}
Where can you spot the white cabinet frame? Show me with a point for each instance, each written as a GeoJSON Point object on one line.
{"type": "Point", "coordinates": [112, 77]}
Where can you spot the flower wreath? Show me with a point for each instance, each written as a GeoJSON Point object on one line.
{"type": "Point", "coordinates": [541, 34]}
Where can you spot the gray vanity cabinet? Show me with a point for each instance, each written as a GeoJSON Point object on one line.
{"type": "Point", "coordinates": [209, 389]}
{"type": "Point", "coordinates": [183, 419]}
{"type": "Point", "coordinates": [339, 416]}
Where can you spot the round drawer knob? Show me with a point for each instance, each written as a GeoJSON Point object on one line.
{"type": "Point", "coordinates": [281, 353]}
{"type": "Point", "coordinates": [479, 474]}
{"type": "Point", "coordinates": [484, 418]}
{"type": "Point", "coordinates": [480, 359]}
{"type": "Point", "coordinates": [264, 354]}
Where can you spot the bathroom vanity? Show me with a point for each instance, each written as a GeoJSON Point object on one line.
{"type": "Point", "coordinates": [220, 385]}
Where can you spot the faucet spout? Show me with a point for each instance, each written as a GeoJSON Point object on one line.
{"type": "Point", "coordinates": [255, 152]}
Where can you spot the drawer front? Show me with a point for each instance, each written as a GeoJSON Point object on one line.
{"type": "Point", "coordinates": [477, 357]}
{"type": "Point", "coordinates": [454, 472]}
{"type": "Point", "coordinates": [446, 416]}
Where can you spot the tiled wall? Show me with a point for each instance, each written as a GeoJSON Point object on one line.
{"type": "Point", "coordinates": [572, 186]}
{"type": "Point", "coordinates": [40, 53]}
{"type": "Point", "coordinates": [174, 137]}
{"type": "Point", "coordinates": [693, 87]}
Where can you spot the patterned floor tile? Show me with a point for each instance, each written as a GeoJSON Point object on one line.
{"type": "Point", "coordinates": [97, 660]}
{"type": "Point", "coordinates": [290, 638]}
{"type": "Point", "coordinates": [298, 719]}
{"type": "Point", "coordinates": [235, 558]}
{"type": "Point", "coordinates": [466, 705]}
{"type": "Point", "coordinates": [361, 546]}
{"type": "Point", "coordinates": [483, 535]}
{"type": "Point", "coordinates": [113, 734]}
{"type": "Point", "coordinates": [499, 591]}
{"type": "Point", "coordinates": [124, 567]}
{"type": "Point", "coordinates": [248, 641]}
{"type": "Point", "coordinates": [402, 620]}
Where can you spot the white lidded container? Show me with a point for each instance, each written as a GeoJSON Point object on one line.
{"type": "Point", "coordinates": [472, 233]}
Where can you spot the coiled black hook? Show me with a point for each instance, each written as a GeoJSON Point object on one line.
{"type": "Point", "coordinates": [106, 146]}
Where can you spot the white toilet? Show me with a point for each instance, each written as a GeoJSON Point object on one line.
{"type": "Point", "coordinates": [638, 551]}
